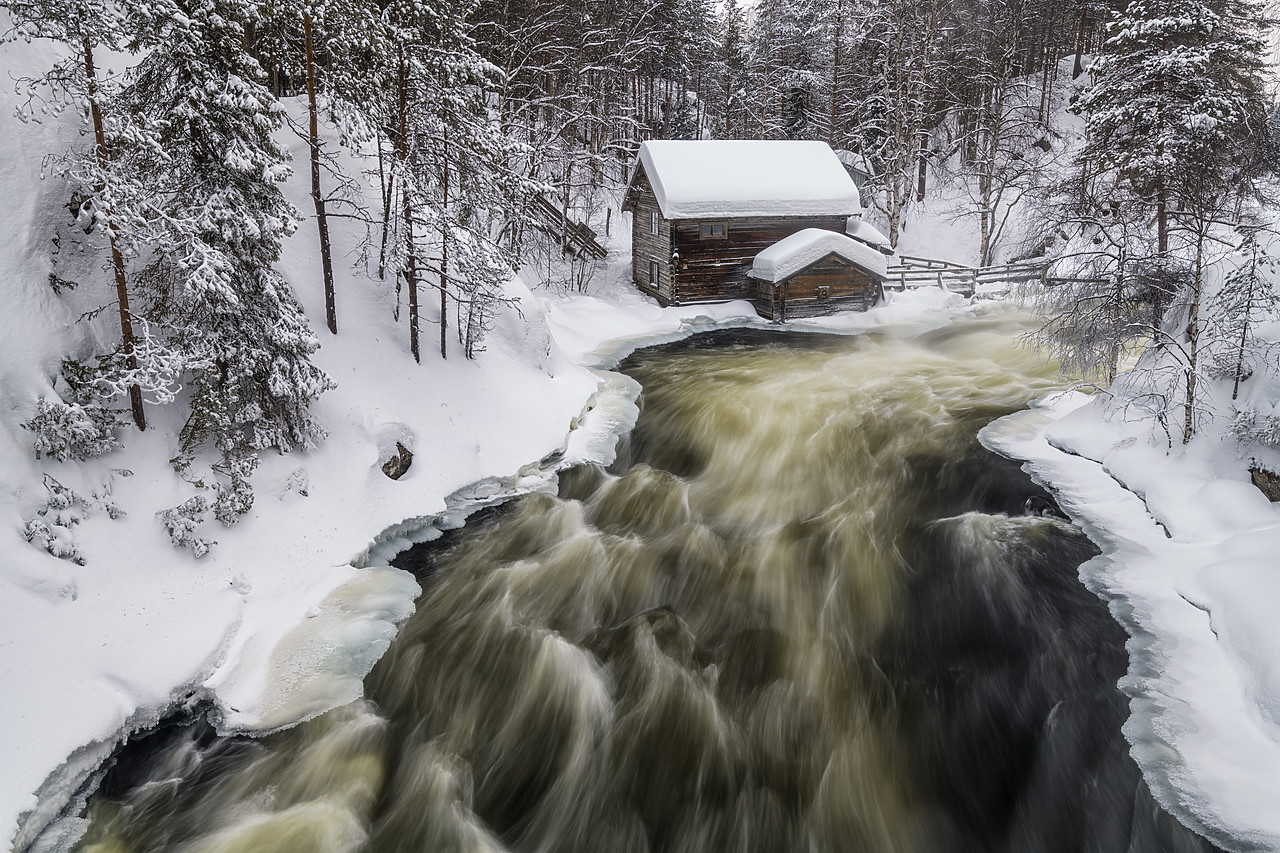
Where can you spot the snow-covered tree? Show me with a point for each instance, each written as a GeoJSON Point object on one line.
{"type": "Point", "coordinates": [450, 168]}
{"type": "Point", "coordinates": [1177, 100]}
{"type": "Point", "coordinates": [1247, 298]}
{"type": "Point", "coordinates": [893, 101]}
{"type": "Point", "coordinates": [217, 218]}
{"type": "Point", "coordinates": [85, 27]}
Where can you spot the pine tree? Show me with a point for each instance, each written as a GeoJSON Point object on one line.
{"type": "Point", "coordinates": [217, 221]}
{"type": "Point", "coordinates": [86, 26]}
{"type": "Point", "coordinates": [1177, 99]}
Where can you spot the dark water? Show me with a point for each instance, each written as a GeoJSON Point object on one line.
{"type": "Point", "coordinates": [805, 611]}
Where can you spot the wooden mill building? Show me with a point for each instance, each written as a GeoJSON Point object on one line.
{"type": "Point", "coordinates": [704, 212]}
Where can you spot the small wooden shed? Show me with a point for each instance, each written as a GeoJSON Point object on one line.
{"type": "Point", "coordinates": [702, 210]}
{"type": "Point", "coordinates": [815, 272]}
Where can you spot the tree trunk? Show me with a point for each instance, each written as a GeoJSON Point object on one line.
{"type": "Point", "coordinates": [402, 152]}
{"type": "Point", "coordinates": [444, 252]}
{"type": "Point", "coordinates": [317, 196]}
{"type": "Point", "coordinates": [923, 165]}
{"type": "Point", "coordinates": [835, 75]}
{"type": "Point", "coordinates": [1193, 341]}
{"type": "Point", "coordinates": [411, 277]}
{"type": "Point", "coordinates": [117, 260]}
{"type": "Point", "coordinates": [1244, 325]}
{"type": "Point", "coordinates": [1117, 297]}
{"type": "Point", "coordinates": [1078, 68]}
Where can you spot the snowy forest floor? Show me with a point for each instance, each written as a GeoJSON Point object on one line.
{"type": "Point", "coordinates": [283, 618]}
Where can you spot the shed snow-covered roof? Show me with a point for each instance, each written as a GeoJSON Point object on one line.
{"type": "Point", "coordinates": [696, 179]}
{"type": "Point", "coordinates": [792, 254]}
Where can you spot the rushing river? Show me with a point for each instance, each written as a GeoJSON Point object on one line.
{"type": "Point", "coordinates": [804, 611]}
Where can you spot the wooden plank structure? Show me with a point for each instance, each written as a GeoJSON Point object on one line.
{"type": "Point", "coordinates": [912, 272]}
{"type": "Point", "coordinates": [575, 237]}
{"type": "Point", "coordinates": [703, 210]}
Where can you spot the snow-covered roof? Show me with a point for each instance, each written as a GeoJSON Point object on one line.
{"type": "Point", "coordinates": [740, 177]}
{"type": "Point", "coordinates": [792, 254]}
{"type": "Point", "coordinates": [858, 229]}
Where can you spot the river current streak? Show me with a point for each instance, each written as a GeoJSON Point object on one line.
{"type": "Point", "coordinates": [804, 611]}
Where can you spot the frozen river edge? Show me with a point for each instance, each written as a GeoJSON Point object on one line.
{"type": "Point", "coordinates": [1195, 727]}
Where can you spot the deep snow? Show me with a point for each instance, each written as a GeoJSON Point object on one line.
{"type": "Point", "coordinates": [282, 619]}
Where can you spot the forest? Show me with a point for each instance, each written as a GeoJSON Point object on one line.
{"type": "Point", "coordinates": [480, 117]}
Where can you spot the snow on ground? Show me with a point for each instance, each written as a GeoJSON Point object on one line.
{"type": "Point", "coordinates": [1191, 572]}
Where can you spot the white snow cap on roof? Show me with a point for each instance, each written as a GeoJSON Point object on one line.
{"type": "Point", "coordinates": [791, 254]}
{"type": "Point", "coordinates": [747, 177]}
{"type": "Point", "coordinates": [866, 232]}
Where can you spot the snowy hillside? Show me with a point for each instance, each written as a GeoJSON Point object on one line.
{"type": "Point", "coordinates": [275, 624]}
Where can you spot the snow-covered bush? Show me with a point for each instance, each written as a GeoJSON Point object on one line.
{"type": "Point", "coordinates": [65, 431]}
{"type": "Point", "coordinates": [52, 527]}
{"type": "Point", "coordinates": [1251, 426]}
{"type": "Point", "coordinates": [181, 521]}
{"type": "Point", "coordinates": [56, 540]}
{"type": "Point", "coordinates": [235, 497]}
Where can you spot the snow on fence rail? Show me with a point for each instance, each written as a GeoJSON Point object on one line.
{"type": "Point", "coordinates": [929, 272]}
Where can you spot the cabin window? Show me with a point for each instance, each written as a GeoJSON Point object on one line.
{"type": "Point", "coordinates": [653, 273]}
{"type": "Point", "coordinates": [713, 230]}
{"type": "Point", "coordinates": [824, 291]}
{"type": "Point", "coordinates": [653, 222]}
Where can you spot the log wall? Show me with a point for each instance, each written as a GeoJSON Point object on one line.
{"type": "Point", "coordinates": [847, 288]}
{"type": "Point", "coordinates": [645, 246]}
{"type": "Point", "coordinates": [715, 268]}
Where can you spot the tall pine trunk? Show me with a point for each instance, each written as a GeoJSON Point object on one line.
{"type": "Point", "coordinates": [317, 196]}
{"type": "Point", "coordinates": [402, 158]}
{"type": "Point", "coordinates": [117, 259]}
{"type": "Point", "coordinates": [444, 253]}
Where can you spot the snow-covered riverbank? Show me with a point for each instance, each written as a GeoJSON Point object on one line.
{"type": "Point", "coordinates": [1192, 572]}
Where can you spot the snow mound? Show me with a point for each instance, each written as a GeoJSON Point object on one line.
{"type": "Point", "coordinates": [859, 229]}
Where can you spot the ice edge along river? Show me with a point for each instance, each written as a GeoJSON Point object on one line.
{"type": "Point", "coordinates": [1195, 727]}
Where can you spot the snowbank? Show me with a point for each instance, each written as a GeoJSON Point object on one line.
{"type": "Point", "coordinates": [1191, 572]}
{"type": "Point", "coordinates": [859, 229]}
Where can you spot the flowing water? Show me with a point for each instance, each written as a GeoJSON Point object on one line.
{"type": "Point", "coordinates": [804, 611]}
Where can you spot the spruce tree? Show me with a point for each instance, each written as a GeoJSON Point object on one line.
{"type": "Point", "coordinates": [86, 26]}
{"type": "Point", "coordinates": [217, 220]}
{"type": "Point", "coordinates": [1177, 100]}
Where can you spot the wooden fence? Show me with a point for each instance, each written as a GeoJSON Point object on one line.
{"type": "Point", "coordinates": [930, 272]}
